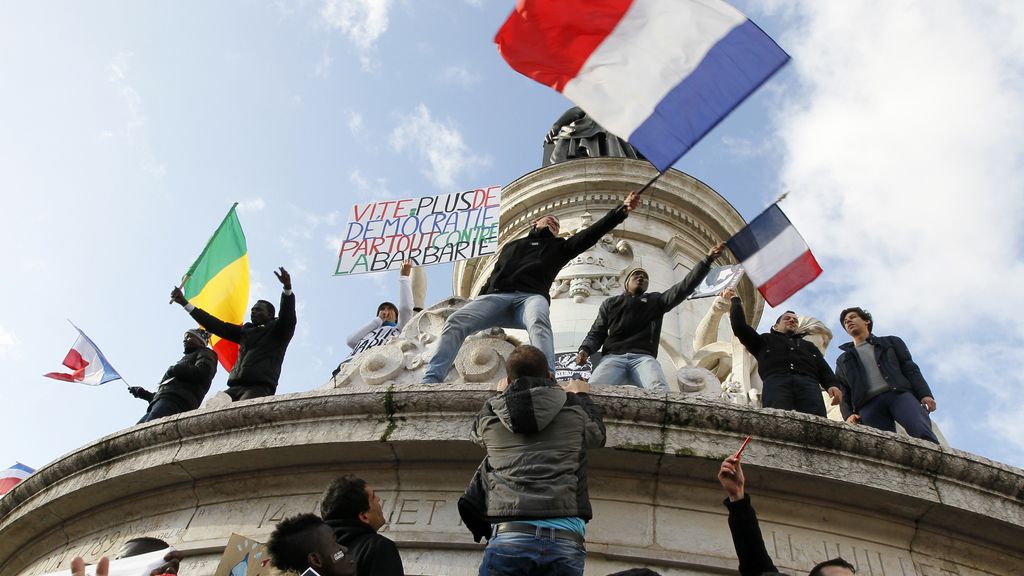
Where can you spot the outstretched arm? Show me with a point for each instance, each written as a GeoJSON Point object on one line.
{"type": "Point", "coordinates": [405, 294]}
{"type": "Point", "coordinates": [286, 320]}
{"type": "Point", "coordinates": [677, 293]}
{"type": "Point", "coordinates": [749, 337]}
{"type": "Point", "coordinates": [211, 323]}
{"type": "Point", "coordinates": [746, 533]}
{"type": "Point", "coordinates": [586, 238]}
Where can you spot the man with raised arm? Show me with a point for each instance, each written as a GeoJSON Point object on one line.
{"type": "Point", "coordinates": [628, 328]}
{"type": "Point", "coordinates": [792, 369]}
{"type": "Point", "coordinates": [883, 385]}
{"type": "Point", "coordinates": [746, 533]}
{"type": "Point", "coordinates": [262, 342]}
{"type": "Point", "coordinates": [389, 321]}
{"type": "Point", "coordinates": [516, 295]}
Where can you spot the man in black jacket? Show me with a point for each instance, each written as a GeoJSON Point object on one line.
{"type": "Point", "coordinates": [792, 370]}
{"type": "Point", "coordinates": [746, 533]}
{"type": "Point", "coordinates": [262, 342]}
{"type": "Point", "coordinates": [535, 475]}
{"type": "Point", "coordinates": [354, 512]}
{"type": "Point", "coordinates": [516, 293]}
{"type": "Point", "coordinates": [628, 327]}
{"type": "Point", "coordinates": [882, 383]}
{"type": "Point", "coordinates": [185, 383]}
{"type": "Point", "coordinates": [305, 541]}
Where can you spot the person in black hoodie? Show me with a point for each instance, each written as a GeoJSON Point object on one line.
{"type": "Point", "coordinates": [262, 342]}
{"type": "Point", "coordinates": [792, 370]}
{"type": "Point", "coordinates": [185, 383]}
{"type": "Point", "coordinates": [354, 512]}
{"type": "Point", "coordinates": [628, 327]}
{"type": "Point", "coordinates": [516, 293]}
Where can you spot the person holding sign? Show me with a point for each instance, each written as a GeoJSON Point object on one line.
{"type": "Point", "coordinates": [793, 370]}
{"type": "Point", "coordinates": [516, 293]}
{"type": "Point", "coordinates": [388, 322]}
{"type": "Point", "coordinates": [628, 328]}
{"type": "Point", "coordinates": [262, 342]}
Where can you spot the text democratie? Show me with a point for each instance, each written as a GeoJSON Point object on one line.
{"type": "Point", "coordinates": [427, 230]}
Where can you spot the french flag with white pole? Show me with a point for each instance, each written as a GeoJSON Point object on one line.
{"type": "Point", "coordinates": [774, 256]}
{"type": "Point", "coordinates": [87, 363]}
{"type": "Point", "coordinates": [13, 476]}
{"type": "Point", "coordinates": [659, 73]}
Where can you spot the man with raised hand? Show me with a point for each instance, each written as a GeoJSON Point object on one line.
{"type": "Point", "coordinates": [516, 295]}
{"type": "Point", "coordinates": [793, 370]}
{"type": "Point", "coordinates": [628, 328]}
{"type": "Point", "coordinates": [262, 342]}
{"type": "Point", "coordinates": [389, 321]}
{"type": "Point", "coordinates": [185, 383]}
{"type": "Point", "coordinates": [883, 385]}
{"type": "Point", "coordinates": [536, 435]}
{"type": "Point", "coordinates": [746, 533]}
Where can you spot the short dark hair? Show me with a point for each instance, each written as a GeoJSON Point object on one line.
{"type": "Point", "coordinates": [864, 315]}
{"type": "Point", "coordinates": [142, 545]}
{"type": "Point", "coordinates": [636, 572]}
{"type": "Point", "coordinates": [783, 314]}
{"type": "Point", "coordinates": [273, 311]}
{"type": "Point", "coordinates": [527, 360]}
{"type": "Point", "coordinates": [345, 499]}
{"type": "Point", "coordinates": [384, 305]}
{"type": "Point", "coordinates": [292, 541]}
{"type": "Point", "coordinates": [837, 561]}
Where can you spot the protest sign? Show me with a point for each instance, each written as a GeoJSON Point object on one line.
{"type": "Point", "coordinates": [566, 368]}
{"type": "Point", "coordinates": [139, 565]}
{"type": "Point", "coordinates": [244, 557]}
{"type": "Point", "coordinates": [718, 279]}
{"type": "Point", "coordinates": [427, 230]}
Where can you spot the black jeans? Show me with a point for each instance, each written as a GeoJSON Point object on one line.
{"type": "Point", "coordinates": [793, 392]}
{"type": "Point", "coordinates": [248, 392]}
{"type": "Point", "coordinates": [162, 407]}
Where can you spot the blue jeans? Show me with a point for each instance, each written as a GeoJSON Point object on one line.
{"type": "Point", "coordinates": [631, 369]}
{"type": "Point", "coordinates": [514, 554]}
{"type": "Point", "coordinates": [501, 310]}
{"type": "Point", "coordinates": [884, 410]}
{"type": "Point", "coordinates": [162, 407]}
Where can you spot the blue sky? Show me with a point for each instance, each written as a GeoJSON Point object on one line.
{"type": "Point", "coordinates": [129, 128]}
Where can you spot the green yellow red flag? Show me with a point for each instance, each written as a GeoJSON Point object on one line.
{"type": "Point", "coordinates": [218, 282]}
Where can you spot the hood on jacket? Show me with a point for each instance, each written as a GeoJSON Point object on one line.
{"type": "Point", "coordinates": [529, 404]}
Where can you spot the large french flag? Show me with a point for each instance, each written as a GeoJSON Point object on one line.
{"type": "Point", "coordinates": [774, 256]}
{"type": "Point", "coordinates": [659, 73]}
{"type": "Point", "coordinates": [87, 364]}
{"type": "Point", "coordinates": [13, 476]}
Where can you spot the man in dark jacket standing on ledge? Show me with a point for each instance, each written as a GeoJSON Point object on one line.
{"type": "Point", "coordinates": [536, 435]}
{"type": "Point", "coordinates": [792, 369]}
{"type": "Point", "coordinates": [516, 293]}
{"type": "Point", "coordinates": [185, 383]}
{"type": "Point", "coordinates": [354, 512]}
{"type": "Point", "coordinates": [628, 326]}
{"type": "Point", "coordinates": [262, 342]}
{"type": "Point", "coordinates": [883, 385]}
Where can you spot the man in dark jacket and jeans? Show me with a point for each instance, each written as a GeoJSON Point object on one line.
{"type": "Point", "coordinates": [262, 342]}
{"type": "Point", "coordinates": [516, 293]}
{"type": "Point", "coordinates": [792, 369]}
{"type": "Point", "coordinates": [354, 512]}
{"type": "Point", "coordinates": [628, 326]}
{"type": "Point", "coordinates": [537, 435]}
{"type": "Point", "coordinates": [185, 383]}
{"type": "Point", "coordinates": [883, 385]}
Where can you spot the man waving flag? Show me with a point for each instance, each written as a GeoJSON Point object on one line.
{"type": "Point", "coordinates": [659, 73]}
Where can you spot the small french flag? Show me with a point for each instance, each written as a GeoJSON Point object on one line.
{"type": "Point", "coordinates": [774, 256]}
{"type": "Point", "coordinates": [88, 365]}
{"type": "Point", "coordinates": [13, 476]}
{"type": "Point", "coordinates": [659, 73]}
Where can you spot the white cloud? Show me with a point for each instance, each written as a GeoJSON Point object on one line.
{"type": "Point", "coordinates": [439, 145]}
{"type": "Point", "coordinates": [461, 76]}
{"type": "Point", "coordinates": [323, 66]}
{"type": "Point", "coordinates": [355, 124]}
{"type": "Point", "coordinates": [902, 144]}
{"type": "Point", "coordinates": [361, 21]}
{"type": "Point", "coordinates": [134, 132]}
{"type": "Point", "coordinates": [10, 345]}
{"type": "Point", "coordinates": [251, 205]}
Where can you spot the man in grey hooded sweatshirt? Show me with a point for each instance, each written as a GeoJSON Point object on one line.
{"type": "Point", "coordinates": [537, 435]}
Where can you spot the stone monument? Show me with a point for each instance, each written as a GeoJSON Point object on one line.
{"type": "Point", "coordinates": [889, 504]}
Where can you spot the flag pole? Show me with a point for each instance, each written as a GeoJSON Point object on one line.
{"type": "Point", "coordinates": [192, 268]}
{"type": "Point", "coordinates": [649, 182]}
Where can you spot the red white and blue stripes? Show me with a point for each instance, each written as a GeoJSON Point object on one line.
{"type": "Point", "coordinates": [12, 476]}
{"type": "Point", "coordinates": [774, 256]}
{"type": "Point", "coordinates": [87, 364]}
{"type": "Point", "coordinates": [660, 73]}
